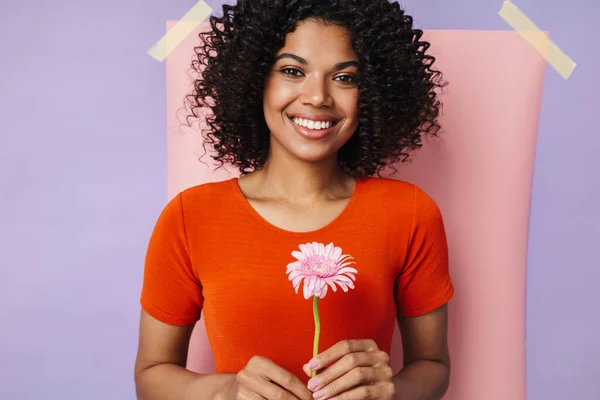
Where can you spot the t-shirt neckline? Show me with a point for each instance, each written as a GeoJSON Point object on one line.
{"type": "Point", "coordinates": [331, 225]}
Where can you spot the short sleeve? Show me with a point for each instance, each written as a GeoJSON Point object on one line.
{"type": "Point", "coordinates": [171, 292]}
{"type": "Point", "coordinates": [424, 282]}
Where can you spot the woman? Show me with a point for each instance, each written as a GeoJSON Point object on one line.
{"type": "Point", "coordinates": [309, 98]}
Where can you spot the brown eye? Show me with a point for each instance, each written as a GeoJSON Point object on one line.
{"type": "Point", "coordinates": [348, 79]}
{"type": "Point", "coordinates": [291, 71]}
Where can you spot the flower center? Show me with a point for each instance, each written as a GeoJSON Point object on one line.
{"type": "Point", "coordinates": [320, 266]}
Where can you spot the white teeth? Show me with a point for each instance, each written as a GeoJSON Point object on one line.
{"type": "Point", "coordinates": [314, 125]}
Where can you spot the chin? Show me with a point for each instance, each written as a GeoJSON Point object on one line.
{"type": "Point", "coordinates": [314, 156]}
{"type": "Point", "coordinates": [311, 151]}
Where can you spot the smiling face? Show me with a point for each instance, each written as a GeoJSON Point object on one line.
{"type": "Point", "coordinates": [311, 96]}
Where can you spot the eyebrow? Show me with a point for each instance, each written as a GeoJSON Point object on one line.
{"type": "Point", "coordinates": [338, 66]}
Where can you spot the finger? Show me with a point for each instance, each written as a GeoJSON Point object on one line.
{"type": "Point", "coordinates": [382, 390]}
{"type": "Point", "coordinates": [379, 359]}
{"type": "Point", "coordinates": [339, 350]}
{"type": "Point", "coordinates": [285, 380]}
{"type": "Point", "coordinates": [251, 383]}
{"type": "Point", "coordinates": [245, 393]}
{"type": "Point", "coordinates": [356, 377]}
{"type": "Point", "coordinates": [341, 368]}
{"type": "Point", "coordinates": [288, 381]}
{"type": "Point", "coordinates": [307, 370]}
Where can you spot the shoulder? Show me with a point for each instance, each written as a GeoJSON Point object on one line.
{"type": "Point", "coordinates": [396, 189]}
{"type": "Point", "coordinates": [387, 186]}
{"type": "Point", "coordinates": [200, 200]}
{"type": "Point", "coordinates": [400, 194]}
{"type": "Point", "coordinates": [208, 194]}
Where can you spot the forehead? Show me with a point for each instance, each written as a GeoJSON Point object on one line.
{"type": "Point", "coordinates": [318, 41]}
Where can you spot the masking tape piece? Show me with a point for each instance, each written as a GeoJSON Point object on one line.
{"type": "Point", "coordinates": [532, 34]}
{"type": "Point", "coordinates": [182, 29]}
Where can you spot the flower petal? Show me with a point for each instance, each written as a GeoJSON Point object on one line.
{"type": "Point", "coordinates": [351, 276]}
{"type": "Point", "coordinates": [307, 293]}
{"type": "Point", "coordinates": [315, 283]}
{"type": "Point", "coordinates": [346, 270]}
{"type": "Point", "coordinates": [293, 274]}
{"type": "Point", "coordinates": [329, 250]}
{"type": "Point", "coordinates": [343, 286]}
{"type": "Point", "coordinates": [345, 258]}
{"type": "Point", "coordinates": [344, 266]}
{"type": "Point", "coordinates": [320, 284]}
{"type": "Point", "coordinates": [336, 253]}
{"type": "Point", "coordinates": [332, 285]}
{"type": "Point", "coordinates": [298, 255]}
{"type": "Point", "coordinates": [296, 282]}
{"type": "Point", "coordinates": [320, 248]}
{"type": "Point", "coordinates": [306, 249]}
{"type": "Point", "coordinates": [341, 278]}
{"type": "Point", "coordinates": [292, 266]}
{"type": "Point", "coordinates": [311, 283]}
{"type": "Point", "coordinates": [323, 292]}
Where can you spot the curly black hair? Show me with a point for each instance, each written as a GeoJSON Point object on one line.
{"type": "Point", "coordinates": [398, 102]}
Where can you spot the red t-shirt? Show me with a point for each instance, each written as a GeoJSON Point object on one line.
{"type": "Point", "coordinates": [212, 252]}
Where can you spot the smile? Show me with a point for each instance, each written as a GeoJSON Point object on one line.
{"type": "Point", "coordinates": [314, 129]}
{"type": "Point", "coordinates": [313, 125]}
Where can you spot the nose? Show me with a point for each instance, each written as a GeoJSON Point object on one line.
{"type": "Point", "coordinates": [315, 92]}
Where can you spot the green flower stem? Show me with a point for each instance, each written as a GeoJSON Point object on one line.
{"type": "Point", "coordinates": [317, 329]}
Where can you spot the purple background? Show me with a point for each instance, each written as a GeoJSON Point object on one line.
{"type": "Point", "coordinates": [83, 150]}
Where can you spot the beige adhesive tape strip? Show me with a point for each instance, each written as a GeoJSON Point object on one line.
{"type": "Point", "coordinates": [538, 39]}
{"type": "Point", "coordinates": [186, 25]}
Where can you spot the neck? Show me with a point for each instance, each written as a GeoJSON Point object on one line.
{"type": "Point", "coordinates": [301, 181]}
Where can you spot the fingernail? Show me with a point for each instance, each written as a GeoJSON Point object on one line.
{"type": "Point", "coordinates": [319, 394]}
{"type": "Point", "coordinates": [314, 363]}
{"type": "Point", "coordinates": [313, 384]}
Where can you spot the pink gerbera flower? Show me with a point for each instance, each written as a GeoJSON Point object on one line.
{"type": "Point", "coordinates": [320, 266]}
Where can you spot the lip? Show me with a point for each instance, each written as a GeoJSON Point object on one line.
{"type": "Point", "coordinates": [313, 134]}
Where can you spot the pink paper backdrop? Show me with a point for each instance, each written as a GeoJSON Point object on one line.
{"type": "Point", "coordinates": [479, 172]}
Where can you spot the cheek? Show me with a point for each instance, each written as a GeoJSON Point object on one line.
{"type": "Point", "coordinates": [351, 110]}
{"type": "Point", "coordinates": [349, 104]}
{"type": "Point", "coordinates": [277, 96]}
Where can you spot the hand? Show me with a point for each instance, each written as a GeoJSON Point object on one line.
{"type": "Point", "coordinates": [359, 371]}
{"type": "Point", "coordinates": [261, 378]}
